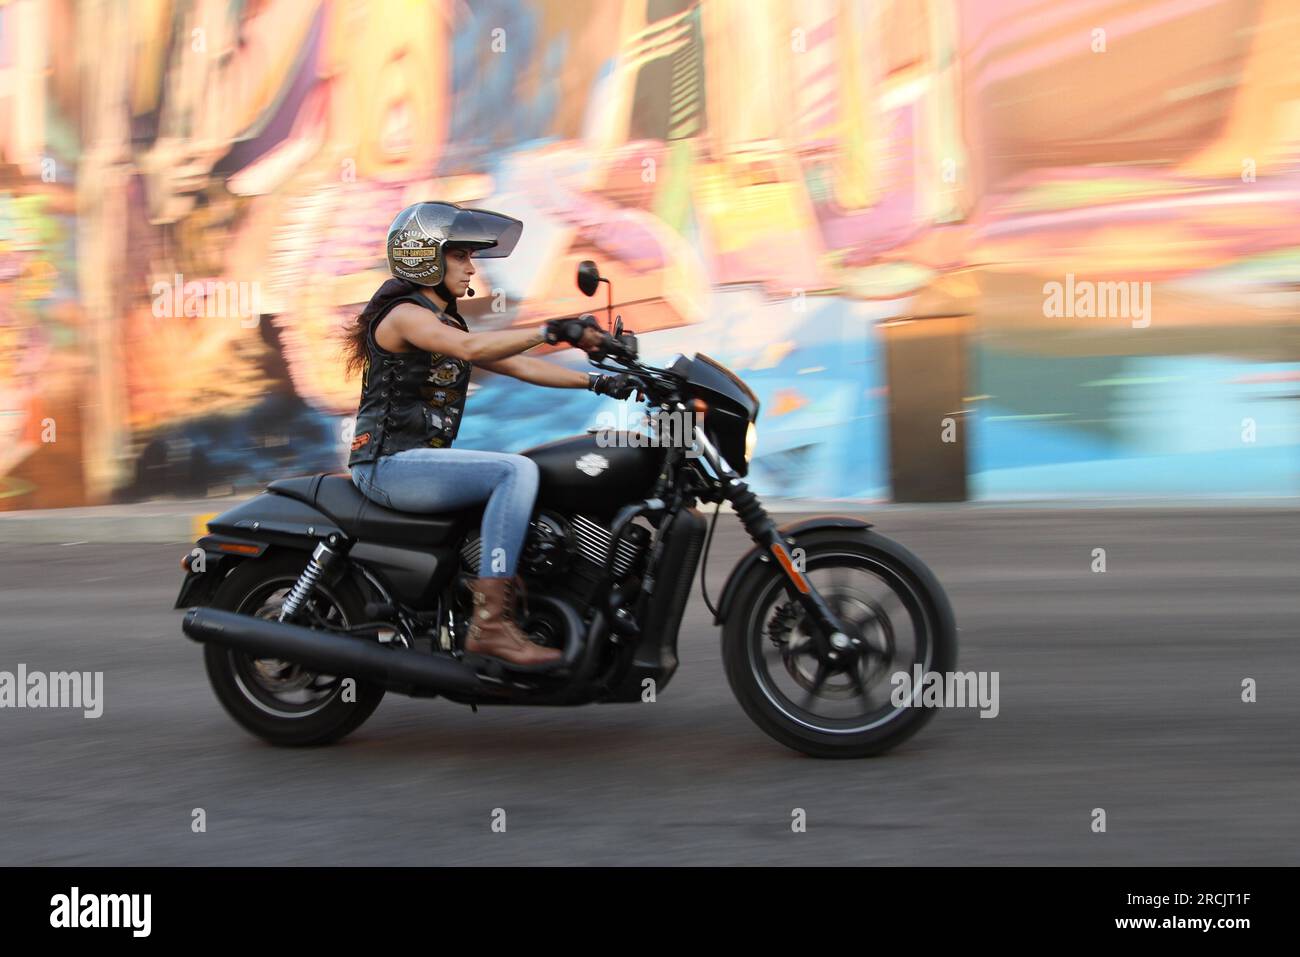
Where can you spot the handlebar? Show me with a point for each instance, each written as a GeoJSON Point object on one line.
{"type": "Point", "coordinates": [615, 346]}
{"type": "Point", "coordinates": [658, 385]}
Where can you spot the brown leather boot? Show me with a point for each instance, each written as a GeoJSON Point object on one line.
{"type": "Point", "coordinates": [493, 632]}
{"type": "Point", "coordinates": [521, 597]}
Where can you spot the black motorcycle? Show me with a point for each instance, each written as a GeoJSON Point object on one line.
{"type": "Point", "coordinates": [312, 600]}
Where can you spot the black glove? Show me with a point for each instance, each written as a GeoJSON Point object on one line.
{"type": "Point", "coordinates": [618, 386]}
{"type": "Point", "coordinates": [569, 330]}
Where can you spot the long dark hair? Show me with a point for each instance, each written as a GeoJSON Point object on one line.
{"type": "Point", "coordinates": [355, 347]}
{"type": "Point", "coordinates": [354, 333]}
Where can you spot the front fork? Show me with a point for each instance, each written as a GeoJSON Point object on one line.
{"type": "Point", "coordinates": [830, 636]}
{"type": "Point", "coordinates": [833, 641]}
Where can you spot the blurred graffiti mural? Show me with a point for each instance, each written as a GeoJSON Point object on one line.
{"type": "Point", "coordinates": [194, 196]}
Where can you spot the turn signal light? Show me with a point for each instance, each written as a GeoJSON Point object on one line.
{"type": "Point", "coordinates": [238, 549]}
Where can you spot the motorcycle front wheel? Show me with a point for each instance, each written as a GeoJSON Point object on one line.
{"type": "Point", "coordinates": [895, 607]}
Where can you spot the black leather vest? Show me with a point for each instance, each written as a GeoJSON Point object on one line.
{"type": "Point", "coordinates": [409, 400]}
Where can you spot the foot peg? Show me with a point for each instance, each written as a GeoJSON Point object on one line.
{"type": "Point", "coordinates": [500, 668]}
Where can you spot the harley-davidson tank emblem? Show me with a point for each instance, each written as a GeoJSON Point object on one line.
{"type": "Point", "coordinates": [592, 464]}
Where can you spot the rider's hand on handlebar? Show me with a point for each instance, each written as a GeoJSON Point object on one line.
{"type": "Point", "coordinates": [583, 333]}
{"type": "Point", "coordinates": [592, 341]}
{"type": "Point", "coordinates": [618, 386]}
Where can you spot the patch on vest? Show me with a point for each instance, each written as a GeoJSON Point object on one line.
{"type": "Point", "coordinates": [360, 440]}
{"type": "Point", "coordinates": [438, 397]}
{"type": "Point", "coordinates": [446, 373]}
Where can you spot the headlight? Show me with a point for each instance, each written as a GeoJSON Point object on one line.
{"type": "Point", "coordinates": [751, 440]}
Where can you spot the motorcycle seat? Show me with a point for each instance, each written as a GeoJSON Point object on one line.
{"type": "Point", "coordinates": [335, 494]}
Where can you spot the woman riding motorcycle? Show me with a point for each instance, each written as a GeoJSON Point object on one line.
{"type": "Point", "coordinates": [416, 355]}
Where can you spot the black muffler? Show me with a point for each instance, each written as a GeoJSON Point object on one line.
{"type": "Point", "coordinates": [329, 652]}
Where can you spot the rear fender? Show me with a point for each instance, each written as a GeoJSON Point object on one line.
{"type": "Point", "coordinates": [269, 523]}
{"type": "Point", "coordinates": [247, 531]}
{"type": "Point", "coordinates": [276, 520]}
{"type": "Point", "coordinates": [210, 560]}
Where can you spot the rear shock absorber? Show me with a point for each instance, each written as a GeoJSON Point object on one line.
{"type": "Point", "coordinates": [321, 559]}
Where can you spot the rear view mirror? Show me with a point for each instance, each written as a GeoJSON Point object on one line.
{"type": "Point", "coordinates": [588, 277]}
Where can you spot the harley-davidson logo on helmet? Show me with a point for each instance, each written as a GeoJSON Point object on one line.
{"type": "Point", "coordinates": [419, 253]}
{"type": "Point", "coordinates": [412, 247]}
{"type": "Point", "coordinates": [411, 255]}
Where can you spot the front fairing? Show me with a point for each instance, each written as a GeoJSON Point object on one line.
{"type": "Point", "coordinates": [732, 407]}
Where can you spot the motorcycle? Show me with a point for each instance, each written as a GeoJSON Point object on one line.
{"type": "Point", "coordinates": [312, 602]}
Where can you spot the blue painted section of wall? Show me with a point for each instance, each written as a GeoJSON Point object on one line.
{"type": "Point", "coordinates": [1135, 425]}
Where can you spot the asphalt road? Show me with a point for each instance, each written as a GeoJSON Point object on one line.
{"type": "Point", "coordinates": [1119, 690]}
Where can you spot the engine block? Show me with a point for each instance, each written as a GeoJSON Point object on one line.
{"type": "Point", "coordinates": [555, 545]}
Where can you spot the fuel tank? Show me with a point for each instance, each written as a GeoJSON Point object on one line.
{"type": "Point", "coordinates": [596, 476]}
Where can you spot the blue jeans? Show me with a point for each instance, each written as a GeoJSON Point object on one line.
{"type": "Point", "coordinates": [438, 480]}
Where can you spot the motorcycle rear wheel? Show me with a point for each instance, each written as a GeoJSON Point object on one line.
{"type": "Point", "coordinates": [280, 702]}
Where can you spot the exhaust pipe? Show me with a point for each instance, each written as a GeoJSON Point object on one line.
{"type": "Point", "coordinates": [330, 653]}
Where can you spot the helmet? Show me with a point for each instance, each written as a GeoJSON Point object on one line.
{"type": "Point", "coordinates": [420, 233]}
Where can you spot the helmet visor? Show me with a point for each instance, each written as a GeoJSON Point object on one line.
{"type": "Point", "coordinates": [493, 235]}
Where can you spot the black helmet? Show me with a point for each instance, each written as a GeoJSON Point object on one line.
{"type": "Point", "coordinates": [420, 233]}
